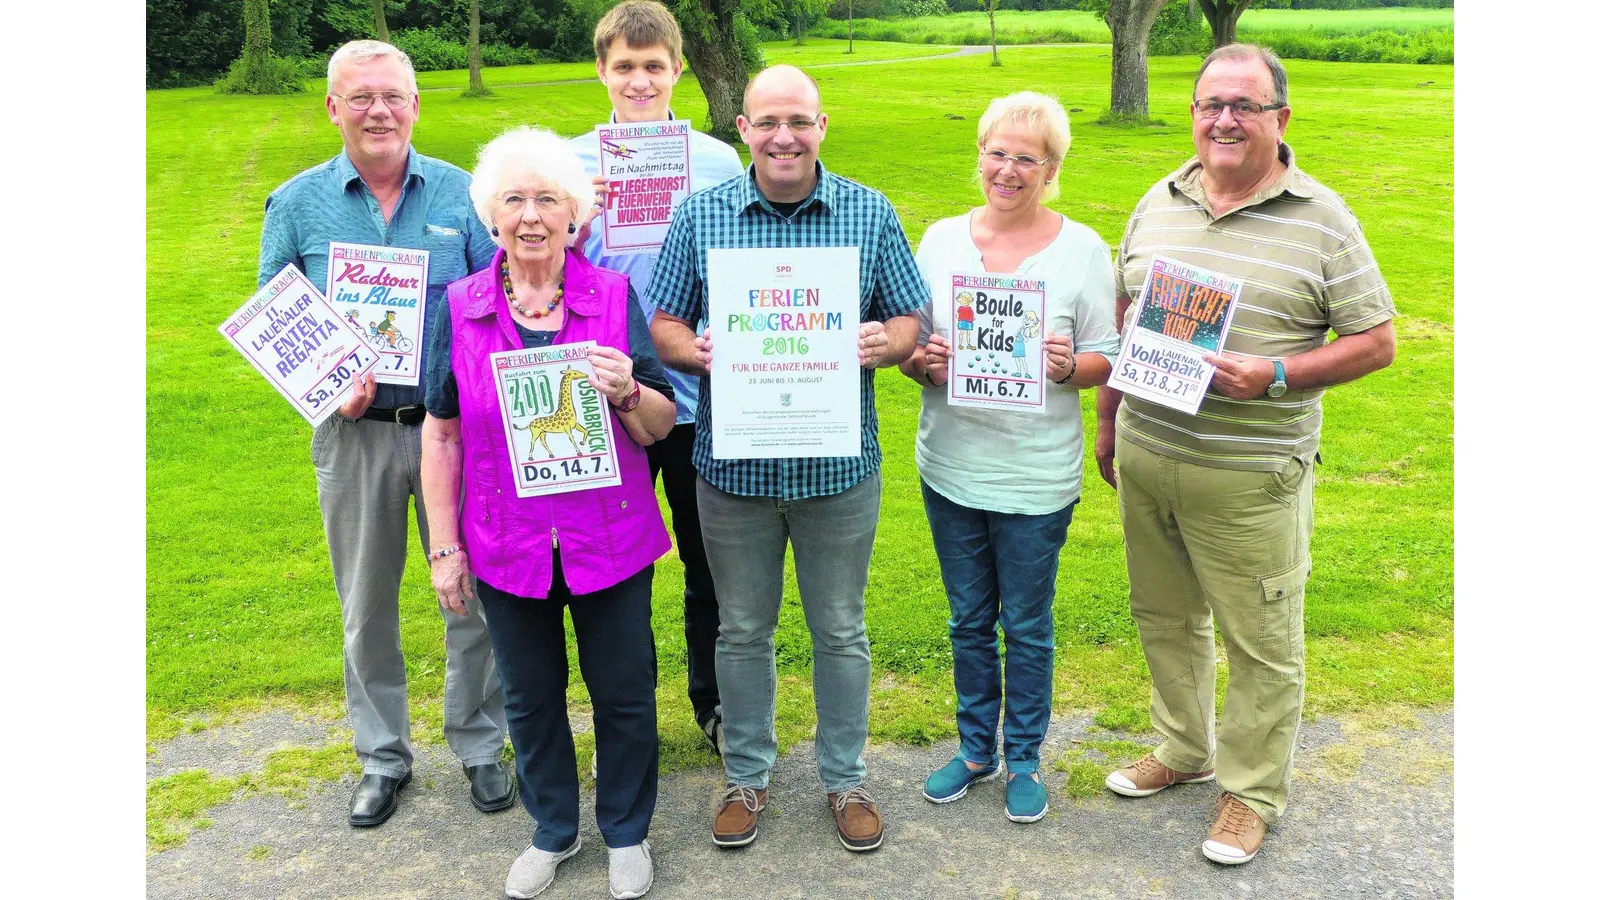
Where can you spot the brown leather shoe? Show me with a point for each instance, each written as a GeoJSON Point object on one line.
{"type": "Point", "coordinates": [738, 808]}
{"type": "Point", "coordinates": [860, 826]}
{"type": "Point", "coordinates": [1150, 775]}
{"type": "Point", "coordinates": [1237, 834]}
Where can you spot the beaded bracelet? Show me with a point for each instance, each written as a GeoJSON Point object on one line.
{"type": "Point", "coordinates": [1070, 372]}
{"type": "Point", "coordinates": [442, 552]}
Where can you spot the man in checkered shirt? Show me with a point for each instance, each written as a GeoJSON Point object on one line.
{"type": "Point", "coordinates": [827, 508]}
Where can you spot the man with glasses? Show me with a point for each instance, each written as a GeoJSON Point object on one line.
{"type": "Point", "coordinates": [368, 457]}
{"type": "Point", "coordinates": [1216, 506]}
{"type": "Point", "coordinates": [826, 508]}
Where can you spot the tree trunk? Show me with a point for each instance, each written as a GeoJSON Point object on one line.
{"type": "Point", "coordinates": [994, 40]}
{"type": "Point", "coordinates": [474, 53]}
{"type": "Point", "coordinates": [712, 48]}
{"type": "Point", "coordinates": [850, 10]}
{"type": "Point", "coordinates": [1224, 18]}
{"type": "Point", "coordinates": [1130, 22]}
{"type": "Point", "coordinates": [380, 22]}
{"type": "Point", "coordinates": [257, 44]}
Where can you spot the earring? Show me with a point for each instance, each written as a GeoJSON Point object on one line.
{"type": "Point", "coordinates": [494, 230]}
{"type": "Point", "coordinates": [572, 228]}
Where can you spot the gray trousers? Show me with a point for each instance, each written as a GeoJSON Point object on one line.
{"type": "Point", "coordinates": [368, 472]}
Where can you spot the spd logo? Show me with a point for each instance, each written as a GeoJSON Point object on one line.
{"type": "Point", "coordinates": [783, 272]}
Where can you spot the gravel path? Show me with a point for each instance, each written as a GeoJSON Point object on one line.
{"type": "Point", "coordinates": [1372, 817]}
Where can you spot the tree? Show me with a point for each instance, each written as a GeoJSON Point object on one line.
{"type": "Point", "coordinates": [712, 47]}
{"type": "Point", "coordinates": [1224, 18]}
{"type": "Point", "coordinates": [994, 40]}
{"type": "Point", "coordinates": [1130, 22]}
{"type": "Point", "coordinates": [380, 22]}
{"type": "Point", "coordinates": [475, 86]}
{"type": "Point", "coordinates": [799, 14]}
{"type": "Point", "coordinates": [850, 11]}
{"type": "Point", "coordinates": [257, 46]}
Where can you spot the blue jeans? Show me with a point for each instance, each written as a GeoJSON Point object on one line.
{"type": "Point", "coordinates": [832, 539]}
{"type": "Point", "coordinates": [1000, 567]}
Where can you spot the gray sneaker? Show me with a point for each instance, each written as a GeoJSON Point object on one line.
{"type": "Point", "coordinates": [631, 871]}
{"type": "Point", "coordinates": [535, 869]}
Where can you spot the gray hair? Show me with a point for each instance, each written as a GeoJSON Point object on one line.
{"type": "Point", "coordinates": [525, 151]}
{"type": "Point", "coordinates": [1039, 113]}
{"type": "Point", "coordinates": [1280, 78]}
{"type": "Point", "coordinates": [362, 51]}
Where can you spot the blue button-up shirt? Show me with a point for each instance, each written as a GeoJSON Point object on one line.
{"type": "Point", "coordinates": [711, 162]}
{"type": "Point", "coordinates": [330, 202]}
{"type": "Point", "coordinates": [838, 213]}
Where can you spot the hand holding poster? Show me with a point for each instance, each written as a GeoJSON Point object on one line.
{"type": "Point", "coordinates": [997, 350]}
{"type": "Point", "coordinates": [295, 339]}
{"type": "Point", "coordinates": [558, 429]}
{"type": "Point", "coordinates": [786, 380]}
{"type": "Point", "coordinates": [646, 167]}
{"type": "Point", "coordinates": [1183, 313]}
{"type": "Point", "coordinates": [383, 294]}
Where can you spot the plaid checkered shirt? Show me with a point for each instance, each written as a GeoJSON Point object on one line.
{"type": "Point", "coordinates": [838, 213]}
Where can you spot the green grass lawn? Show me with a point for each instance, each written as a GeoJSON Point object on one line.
{"type": "Point", "coordinates": [1079, 26]}
{"type": "Point", "coordinates": [813, 52]}
{"type": "Point", "coordinates": [241, 609]}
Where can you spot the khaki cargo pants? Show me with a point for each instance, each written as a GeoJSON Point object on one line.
{"type": "Point", "coordinates": [1208, 544]}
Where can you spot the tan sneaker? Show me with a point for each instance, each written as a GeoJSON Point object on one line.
{"type": "Point", "coordinates": [1237, 834]}
{"type": "Point", "coordinates": [1150, 775]}
{"type": "Point", "coordinates": [738, 808]}
{"type": "Point", "coordinates": [860, 826]}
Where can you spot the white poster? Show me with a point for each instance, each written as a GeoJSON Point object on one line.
{"type": "Point", "coordinates": [557, 425]}
{"type": "Point", "coordinates": [295, 339]}
{"type": "Point", "coordinates": [1183, 312]}
{"type": "Point", "coordinates": [997, 342]}
{"type": "Point", "coordinates": [382, 292]}
{"type": "Point", "coordinates": [646, 168]}
{"type": "Point", "coordinates": [786, 380]}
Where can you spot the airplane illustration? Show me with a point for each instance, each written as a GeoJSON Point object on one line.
{"type": "Point", "coordinates": [618, 150]}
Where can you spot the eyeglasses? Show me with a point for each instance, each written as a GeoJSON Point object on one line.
{"type": "Point", "coordinates": [796, 126]}
{"type": "Point", "coordinates": [1024, 163]}
{"type": "Point", "coordinates": [1242, 109]}
{"type": "Point", "coordinates": [363, 101]}
{"type": "Point", "coordinates": [544, 203]}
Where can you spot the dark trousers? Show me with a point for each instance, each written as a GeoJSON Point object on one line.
{"type": "Point", "coordinates": [617, 655]}
{"type": "Point", "coordinates": [673, 459]}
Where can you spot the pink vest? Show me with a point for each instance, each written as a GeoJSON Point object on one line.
{"type": "Point", "coordinates": [605, 534]}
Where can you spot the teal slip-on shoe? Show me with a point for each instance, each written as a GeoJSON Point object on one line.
{"type": "Point", "coordinates": [1026, 800]}
{"type": "Point", "coordinates": [951, 782]}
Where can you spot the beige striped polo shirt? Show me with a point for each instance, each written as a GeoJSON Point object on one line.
{"type": "Point", "coordinates": [1306, 269]}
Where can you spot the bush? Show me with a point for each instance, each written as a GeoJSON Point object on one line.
{"type": "Point", "coordinates": [280, 76]}
{"type": "Point", "coordinates": [749, 44]}
{"type": "Point", "coordinates": [1175, 33]}
{"type": "Point", "coordinates": [429, 50]}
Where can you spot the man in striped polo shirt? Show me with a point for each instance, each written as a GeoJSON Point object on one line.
{"type": "Point", "coordinates": [1216, 506]}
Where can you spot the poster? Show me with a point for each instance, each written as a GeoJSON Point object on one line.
{"type": "Point", "coordinates": [382, 292]}
{"type": "Point", "coordinates": [557, 424]}
{"type": "Point", "coordinates": [646, 167]}
{"type": "Point", "coordinates": [784, 327]}
{"type": "Point", "coordinates": [295, 339]}
{"type": "Point", "coordinates": [997, 342]}
{"type": "Point", "coordinates": [1183, 312]}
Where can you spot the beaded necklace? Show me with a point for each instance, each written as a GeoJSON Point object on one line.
{"type": "Point", "coordinates": [505, 276]}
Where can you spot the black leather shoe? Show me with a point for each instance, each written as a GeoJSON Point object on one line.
{"type": "Point", "coordinates": [375, 799]}
{"type": "Point", "coordinates": [493, 788]}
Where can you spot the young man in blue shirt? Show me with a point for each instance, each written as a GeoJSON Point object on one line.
{"type": "Point", "coordinates": [639, 56]}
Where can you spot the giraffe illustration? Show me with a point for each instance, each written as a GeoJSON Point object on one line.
{"type": "Point", "coordinates": [563, 421]}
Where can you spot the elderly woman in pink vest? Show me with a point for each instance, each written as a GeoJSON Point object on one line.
{"type": "Point", "coordinates": [523, 512]}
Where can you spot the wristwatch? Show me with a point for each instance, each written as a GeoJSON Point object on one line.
{"type": "Point", "coordinates": [632, 401]}
{"type": "Point", "coordinates": [1279, 386]}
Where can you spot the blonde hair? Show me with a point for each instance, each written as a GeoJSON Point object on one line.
{"type": "Point", "coordinates": [1041, 114]}
{"type": "Point", "coordinates": [640, 24]}
{"type": "Point", "coordinates": [362, 51]}
{"type": "Point", "coordinates": [538, 152]}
